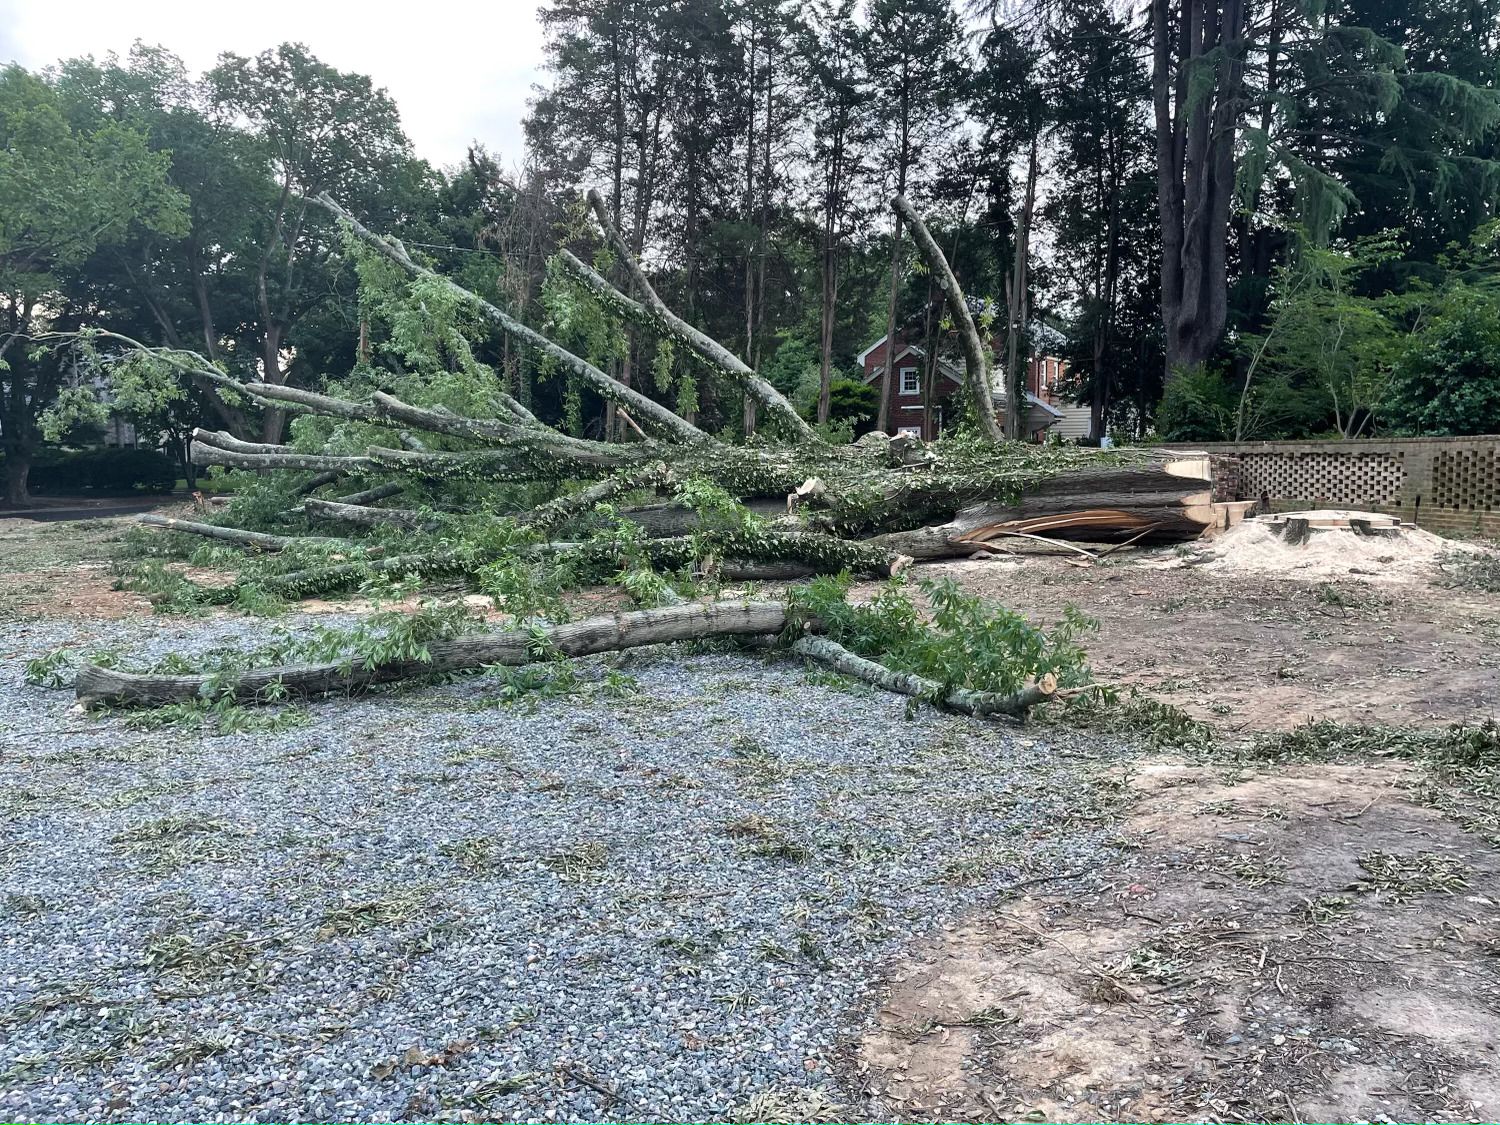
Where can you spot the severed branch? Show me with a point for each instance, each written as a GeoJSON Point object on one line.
{"type": "Point", "coordinates": [977, 378]}
{"type": "Point", "coordinates": [541, 438]}
{"type": "Point", "coordinates": [317, 481]}
{"type": "Point", "coordinates": [370, 495]}
{"type": "Point", "coordinates": [650, 412]}
{"type": "Point", "coordinates": [222, 440]}
{"type": "Point", "coordinates": [97, 686]}
{"type": "Point", "coordinates": [702, 345]}
{"type": "Point", "coordinates": [281, 397]}
{"type": "Point", "coordinates": [203, 453]}
{"type": "Point", "coordinates": [980, 703]}
{"type": "Point", "coordinates": [365, 516]}
{"type": "Point", "coordinates": [555, 513]}
{"type": "Point", "coordinates": [255, 540]}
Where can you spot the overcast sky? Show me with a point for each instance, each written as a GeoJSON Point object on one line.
{"type": "Point", "coordinates": [459, 71]}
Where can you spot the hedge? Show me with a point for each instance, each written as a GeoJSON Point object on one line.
{"type": "Point", "coordinates": [107, 470]}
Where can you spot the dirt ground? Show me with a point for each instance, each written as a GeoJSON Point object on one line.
{"type": "Point", "coordinates": [1297, 943]}
{"type": "Point", "coordinates": [1308, 943]}
{"type": "Point", "coordinates": [1248, 652]}
{"type": "Point", "coordinates": [62, 569]}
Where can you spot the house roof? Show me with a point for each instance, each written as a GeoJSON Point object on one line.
{"type": "Point", "coordinates": [1034, 401]}
{"type": "Point", "coordinates": [944, 366]}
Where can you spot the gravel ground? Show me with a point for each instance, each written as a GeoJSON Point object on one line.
{"type": "Point", "coordinates": [655, 897]}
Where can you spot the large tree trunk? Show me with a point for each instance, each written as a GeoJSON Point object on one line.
{"type": "Point", "coordinates": [17, 470]}
{"type": "Point", "coordinates": [1019, 309]}
{"type": "Point", "coordinates": [1174, 499]}
{"type": "Point", "coordinates": [1196, 129]}
{"type": "Point", "coordinates": [889, 384]}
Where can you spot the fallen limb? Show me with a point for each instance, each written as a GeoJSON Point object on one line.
{"type": "Point", "coordinates": [651, 413]}
{"type": "Point", "coordinates": [978, 381]}
{"type": "Point", "coordinates": [342, 575]}
{"type": "Point", "coordinates": [282, 397]}
{"type": "Point", "coordinates": [704, 346]}
{"type": "Point", "coordinates": [840, 659]}
{"type": "Point", "coordinates": [556, 512]}
{"type": "Point", "coordinates": [319, 480]}
{"type": "Point", "coordinates": [256, 540]}
{"type": "Point", "coordinates": [370, 495]}
{"type": "Point", "coordinates": [366, 516]}
{"type": "Point", "coordinates": [97, 686]}
{"type": "Point", "coordinates": [205, 454]}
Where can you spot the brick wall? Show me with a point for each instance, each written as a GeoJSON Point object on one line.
{"type": "Point", "coordinates": [906, 410]}
{"type": "Point", "coordinates": [1445, 484]}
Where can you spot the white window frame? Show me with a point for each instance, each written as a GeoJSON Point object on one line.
{"type": "Point", "coordinates": [910, 431]}
{"type": "Point", "coordinates": [916, 380]}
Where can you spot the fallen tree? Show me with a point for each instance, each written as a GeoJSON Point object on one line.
{"type": "Point", "coordinates": [98, 685]}
{"type": "Point", "coordinates": [496, 499]}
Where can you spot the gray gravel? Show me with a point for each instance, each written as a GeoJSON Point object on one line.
{"type": "Point", "coordinates": [648, 899]}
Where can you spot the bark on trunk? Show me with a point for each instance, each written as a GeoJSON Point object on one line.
{"type": "Point", "coordinates": [840, 659]}
{"type": "Point", "coordinates": [17, 470]}
{"type": "Point", "coordinates": [1197, 125]}
{"type": "Point", "coordinates": [257, 540]}
{"type": "Point", "coordinates": [977, 380]}
{"type": "Point", "coordinates": [97, 686]}
{"type": "Point", "coordinates": [890, 387]}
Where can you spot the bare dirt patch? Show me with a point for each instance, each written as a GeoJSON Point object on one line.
{"type": "Point", "coordinates": [1247, 651]}
{"type": "Point", "coordinates": [1303, 945]}
{"type": "Point", "coordinates": [62, 570]}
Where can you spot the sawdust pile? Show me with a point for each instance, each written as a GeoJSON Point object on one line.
{"type": "Point", "coordinates": [1254, 547]}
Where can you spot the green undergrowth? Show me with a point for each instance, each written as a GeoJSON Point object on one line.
{"type": "Point", "coordinates": [1108, 710]}
{"type": "Point", "coordinates": [953, 638]}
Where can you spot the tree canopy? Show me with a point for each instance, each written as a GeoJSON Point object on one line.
{"type": "Point", "coordinates": [1185, 198]}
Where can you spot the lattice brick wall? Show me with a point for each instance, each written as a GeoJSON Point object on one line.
{"type": "Point", "coordinates": [1465, 479]}
{"type": "Point", "coordinates": [1324, 478]}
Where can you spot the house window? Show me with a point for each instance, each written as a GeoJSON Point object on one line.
{"type": "Point", "coordinates": [911, 381]}
{"type": "Point", "coordinates": [909, 431]}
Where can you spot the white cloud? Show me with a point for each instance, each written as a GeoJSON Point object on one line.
{"type": "Point", "coordinates": [459, 71]}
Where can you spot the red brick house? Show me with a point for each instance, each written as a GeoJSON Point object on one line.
{"type": "Point", "coordinates": [1045, 375]}
{"type": "Point", "coordinates": [904, 393]}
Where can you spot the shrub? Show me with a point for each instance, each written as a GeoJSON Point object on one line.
{"type": "Point", "coordinates": [107, 470]}
{"type": "Point", "coordinates": [1198, 405]}
{"type": "Point", "coordinates": [1448, 379]}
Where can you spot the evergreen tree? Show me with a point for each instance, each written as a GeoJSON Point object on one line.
{"type": "Point", "coordinates": [917, 73]}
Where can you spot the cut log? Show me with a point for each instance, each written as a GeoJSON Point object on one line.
{"type": "Point", "coordinates": [1165, 499]}
{"type": "Point", "coordinates": [96, 686]}
{"type": "Point", "coordinates": [840, 659]}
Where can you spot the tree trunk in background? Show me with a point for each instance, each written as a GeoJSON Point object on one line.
{"type": "Point", "coordinates": [17, 468]}
{"type": "Point", "coordinates": [1109, 296]}
{"type": "Point", "coordinates": [1196, 132]}
{"type": "Point", "coordinates": [1018, 308]}
{"type": "Point", "coordinates": [273, 422]}
{"type": "Point", "coordinates": [883, 417]}
{"type": "Point", "coordinates": [825, 330]}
